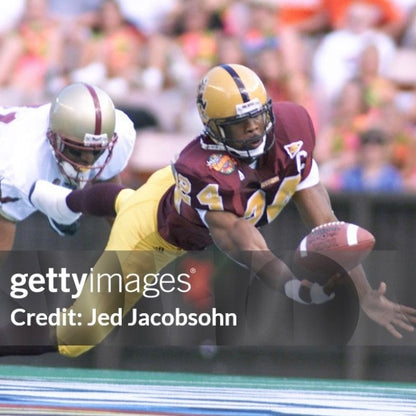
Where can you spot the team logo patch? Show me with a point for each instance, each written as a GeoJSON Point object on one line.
{"type": "Point", "coordinates": [221, 163]}
{"type": "Point", "coordinates": [293, 148]}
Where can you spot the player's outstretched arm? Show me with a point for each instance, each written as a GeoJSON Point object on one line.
{"type": "Point", "coordinates": [65, 206]}
{"type": "Point", "coordinates": [50, 199]}
{"type": "Point", "coordinates": [315, 208]}
{"type": "Point", "coordinates": [244, 244]}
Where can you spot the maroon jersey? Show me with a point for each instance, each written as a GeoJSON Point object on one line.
{"type": "Point", "coordinates": [211, 180]}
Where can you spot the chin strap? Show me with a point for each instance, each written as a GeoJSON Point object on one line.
{"type": "Point", "coordinates": [74, 179]}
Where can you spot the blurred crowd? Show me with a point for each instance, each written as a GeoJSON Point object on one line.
{"type": "Point", "coordinates": [351, 63]}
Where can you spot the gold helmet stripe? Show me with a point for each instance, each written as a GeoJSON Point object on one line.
{"type": "Point", "coordinates": [238, 81]}
{"type": "Point", "coordinates": [97, 106]}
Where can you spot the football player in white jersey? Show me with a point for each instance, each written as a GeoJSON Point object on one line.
{"type": "Point", "coordinates": [77, 138]}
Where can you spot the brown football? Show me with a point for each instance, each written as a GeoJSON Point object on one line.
{"type": "Point", "coordinates": [333, 245]}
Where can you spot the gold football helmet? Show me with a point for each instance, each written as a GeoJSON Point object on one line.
{"type": "Point", "coordinates": [229, 95]}
{"type": "Point", "coordinates": [81, 128]}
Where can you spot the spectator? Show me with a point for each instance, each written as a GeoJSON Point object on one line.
{"type": "Point", "coordinates": [230, 49]}
{"type": "Point", "coordinates": [29, 53]}
{"type": "Point", "coordinates": [150, 16]}
{"type": "Point", "coordinates": [82, 12]}
{"type": "Point", "coordinates": [388, 15]}
{"type": "Point", "coordinates": [378, 89]}
{"type": "Point", "coordinates": [337, 57]}
{"type": "Point", "coordinates": [283, 85]}
{"type": "Point", "coordinates": [374, 172]}
{"type": "Point", "coordinates": [338, 139]}
{"type": "Point", "coordinates": [264, 31]}
{"type": "Point", "coordinates": [197, 38]}
{"type": "Point", "coordinates": [270, 68]}
{"type": "Point", "coordinates": [235, 18]}
{"type": "Point", "coordinates": [113, 56]}
{"type": "Point", "coordinates": [408, 35]}
{"type": "Point", "coordinates": [397, 125]}
{"type": "Point", "coordinates": [318, 16]}
{"type": "Point", "coordinates": [308, 17]}
{"type": "Point", "coordinates": [76, 19]}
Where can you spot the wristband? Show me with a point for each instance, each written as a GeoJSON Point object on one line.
{"type": "Point", "coordinates": [292, 288]}
{"type": "Point", "coordinates": [318, 296]}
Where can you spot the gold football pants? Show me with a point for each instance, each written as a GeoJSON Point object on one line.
{"type": "Point", "coordinates": [134, 248]}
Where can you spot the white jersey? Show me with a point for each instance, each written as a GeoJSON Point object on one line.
{"type": "Point", "coordinates": [26, 156]}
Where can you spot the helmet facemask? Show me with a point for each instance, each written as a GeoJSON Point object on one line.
{"type": "Point", "coordinates": [220, 131]}
{"type": "Point", "coordinates": [76, 160]}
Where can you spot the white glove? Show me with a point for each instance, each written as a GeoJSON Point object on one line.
{"type": "Point", "coordinates": [318, 296]}
{"type": "Point", "coordinates": [50, 199]}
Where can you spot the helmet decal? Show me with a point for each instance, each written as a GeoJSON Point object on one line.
{"type": "Point", "coordinates": [248, 107]}
{"type": "Point", "coordinates": [200, 101]}
{"type": "Point", "coordinates": [95, 139]}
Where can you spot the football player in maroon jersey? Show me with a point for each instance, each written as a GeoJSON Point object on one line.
{"type": "Point", "coordinates": [251, 159]}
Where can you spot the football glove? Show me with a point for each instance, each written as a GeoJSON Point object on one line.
{"type": "Point", "coordinates": [50, 199]}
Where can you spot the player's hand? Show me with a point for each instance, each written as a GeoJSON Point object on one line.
{"type": "Point", "coordinates": [307, 293]}
{"type": "Point", "coordinates": [392, 316]}
{"type": "Point", "coordinates": [50, 199]}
